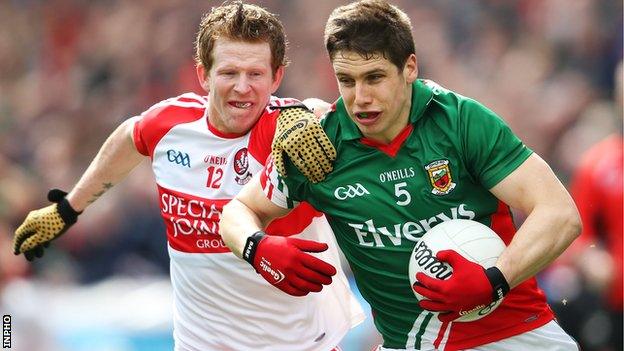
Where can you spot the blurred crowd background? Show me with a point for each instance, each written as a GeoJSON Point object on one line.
{"type": "Point", "coordinates": [72, 70]}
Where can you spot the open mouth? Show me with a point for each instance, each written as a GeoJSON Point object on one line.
{"type": "Point", "coordinates": [242, 105]}
{"type": "Point", "coordinates": [367, 118]}
{"type": "Point", "coordinates": [367, 115]}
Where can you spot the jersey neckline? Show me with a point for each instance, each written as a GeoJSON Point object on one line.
{"type": "Point", "coordinates": [394, 146]}
{"type": "Point", "coordinates": [221, 134]}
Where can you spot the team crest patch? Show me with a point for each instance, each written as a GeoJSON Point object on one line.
{"type": "Point", "coordinates": [440, 177]}
{"type": "Point", "coordinates": [241, 167]}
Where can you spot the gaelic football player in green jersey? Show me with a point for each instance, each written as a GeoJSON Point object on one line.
{"type": "Point", "coordinates": [410, 155]}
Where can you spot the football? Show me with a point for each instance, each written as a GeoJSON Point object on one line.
{"type": "Point", "coordinates": [473, 240]}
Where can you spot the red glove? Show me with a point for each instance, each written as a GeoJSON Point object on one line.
{"type": "Point", "coordinates": [283, 262]}
{"type": "Point", "coordinates": [469, 287]}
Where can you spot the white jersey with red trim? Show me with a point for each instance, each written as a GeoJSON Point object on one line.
{"type": "Point", "coordinates": [220, 303]}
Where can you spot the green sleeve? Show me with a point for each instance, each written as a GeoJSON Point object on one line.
{"type": "Point", "coordinates": [491, 149]}
{"type": "Point", "coordinates": [297, 184]}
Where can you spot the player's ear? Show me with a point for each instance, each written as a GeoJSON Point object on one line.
{"type": "Point", "coordinates": [277, 79]}
{"type": "Point", "coordinates": [410, 70]}
{"type": "Point", "coordinates": [202, 77]}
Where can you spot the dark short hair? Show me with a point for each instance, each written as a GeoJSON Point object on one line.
{"type": "Point", "coordinates": [370, 27]}
{"type": "Point", "coordinates": [244, 22]}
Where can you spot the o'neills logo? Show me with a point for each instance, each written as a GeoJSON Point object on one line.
{"type": "Point", "coordinates": [275, 273]}
{"type": "Point", "coordinates": [427, 261]}
{"type": "Point", "coordinates": [300, 124]}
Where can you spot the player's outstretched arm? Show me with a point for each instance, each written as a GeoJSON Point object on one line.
{"type": "Point", "coordinates": [282, 261]}
{"type": "Point", "coordinates": [552, 224]}
{"type": "Point", "coordinates": [116, 158]}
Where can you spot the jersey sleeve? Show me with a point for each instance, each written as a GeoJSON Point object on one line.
{"type": "Point", "coordinates": [138, 137]}
{"type": "Point", "coordinates": [491, 150]}
{"type": "Point", "coordinates": [262, 133]}
{"type": "Point", "coordinates": [285, 192]}
{"type": "Point", "coordinates": [261, 136]}
{"type": "Point", "coordinates": [154, 123]}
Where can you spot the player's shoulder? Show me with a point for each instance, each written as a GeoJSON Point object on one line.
{"type": "Point", "coordinates": [186, 101]}
{"type": "Point", "coordinates": [444, 96]}
{"type": "Point", "coordinates": [268, 119]}
{"type": "Point", "coordinates": [330, 121]}
{"type": "Point", "coordinates": [276, 102]}
{"type": "Point", "coordinates": [261, 135]}
{"type": "Point", "coordinates": [271, 111]}
{"type": "Point", "coordinates": [456, 106]}
{"type": "Point", "coordinates": [183, 108]}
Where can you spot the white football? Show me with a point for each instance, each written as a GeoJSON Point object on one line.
{"type": "Point", "coordinates": [473, 240]}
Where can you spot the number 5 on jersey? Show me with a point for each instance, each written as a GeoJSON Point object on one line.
{"type": "Point", "coordinates": [403, 196]}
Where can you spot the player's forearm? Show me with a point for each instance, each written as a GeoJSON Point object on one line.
{"type": "Point", "coordinates": [116, 158]}
{"type": "Point", "coordinates": [237, 223]}
{"type": "Point", "coordinates": [545, 234]}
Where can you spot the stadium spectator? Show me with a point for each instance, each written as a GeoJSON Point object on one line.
{"type": "Point", "coordinates": [593, 296]}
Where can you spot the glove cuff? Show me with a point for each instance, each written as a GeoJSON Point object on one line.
{"type": "Point", "coordinates": [67, 213]}
{"type": "Point", "coordinates": [249, 251]}
{"type": "Point", "coordinates": [294, 105]}
{"type": "Point", "coordinates": [500, 287]}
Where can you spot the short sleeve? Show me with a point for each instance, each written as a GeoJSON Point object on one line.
{"type": "Point", "coordinates": [262, 133]}
{"type": "Point", "coordinates": [285, 192]}
{"type": "Point", "coordinates": [154, 123]}
{"type": "Point", "coordinates": [138, 138]}
{"type": "Point", "coordinates": [491, 150]}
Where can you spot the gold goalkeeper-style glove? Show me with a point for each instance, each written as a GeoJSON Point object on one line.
{"type": "Point", "coordinates": [44, 225]}
{"type": "Point", "coordinates": [301, 136]}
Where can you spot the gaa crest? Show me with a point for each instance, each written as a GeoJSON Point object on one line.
{"type": "Point", "coordinates": [440, 177]}
{"type": "Point", "coordinates": [241, 167]}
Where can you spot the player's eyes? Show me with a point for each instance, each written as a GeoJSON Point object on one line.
{"type": "Point", "coordinates": [227, 73]}
{"type": "Point", "coordinates": [345, 82]}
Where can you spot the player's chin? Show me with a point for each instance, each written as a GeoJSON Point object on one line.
{"type": "Point", "coordinates": [242, 124]}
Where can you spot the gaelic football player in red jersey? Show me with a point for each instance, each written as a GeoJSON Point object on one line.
{"type": "Point", "coordinates": [598, 189]}
{"type": "Point", "coordinates": [203, 149]}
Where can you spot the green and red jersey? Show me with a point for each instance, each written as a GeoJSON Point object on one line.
{"type": "Point", "coordinates": [380, 199]}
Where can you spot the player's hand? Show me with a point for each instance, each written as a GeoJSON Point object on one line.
{"type": "Point", "coordinates": [468, 288]}
{"type": "Point", "coordinates": [300, 135]}
{"type": "Point", "coordinates": [44, 225]}
{"type": "Point", "coordinates": [284, 263]}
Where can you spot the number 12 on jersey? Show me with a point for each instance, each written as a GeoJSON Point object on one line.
{"type": "Point", "coordinates": [214, 177]}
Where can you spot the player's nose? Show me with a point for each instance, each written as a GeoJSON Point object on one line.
{"type": "Point", "coordinates": [242, 85]}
